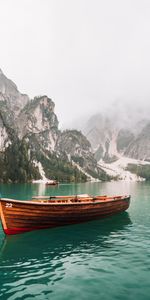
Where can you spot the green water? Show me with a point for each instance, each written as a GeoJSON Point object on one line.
{"type": "Point", "coordinates": [105, 259]}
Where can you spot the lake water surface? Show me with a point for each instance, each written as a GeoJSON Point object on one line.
{"type": "Point", "coordinates": [102, 260]}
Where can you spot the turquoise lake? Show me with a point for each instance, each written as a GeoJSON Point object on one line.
{"type": "Point", "coordinates": [107, 259]}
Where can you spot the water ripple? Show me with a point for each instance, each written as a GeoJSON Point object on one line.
{"type": "Point", "coordinates": [107, 259]}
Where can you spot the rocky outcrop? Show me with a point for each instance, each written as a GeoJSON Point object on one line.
{"type": "Point", "coordinates": [102, 134]}
{"type": "Point", "coordinates": [121, 132]}
{"type": "Point", "coordinates": [9, 93]}
{"type": "Point", "coordinates": [38, 121]}
{"type": "Point", "coordinates": [30, 137]}
{"type": "Point", "coordinates": [139, 148]}
{"type": "Point", "coordinates": [11, 102]}
{"type": "Point", "coordinates": [73, 143]}
{"type": "Point", "coordinates": [75, 146]}
{"type": "Point", "coordinates": [124, 139]}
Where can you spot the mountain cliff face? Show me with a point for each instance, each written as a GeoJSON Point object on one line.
{"type": "Point", "coordinates": [31, 143]}
{"type": "Point", "coordinates": [102, 133]}
{"type": "Point", "coordinates": [120, 140]}
{"type": "Point", "coordinates": [37, 120]}
{"type": "Point", "coordinates": [11, 102]}
{"type": "Point", "coordinates": [139, 147]}
{"type": "Point", "coordinates": [119, 133]}
{"type": "Point", "coordinates": [10, 94]}
{"type": "Point", "coordinates": [75, 146]}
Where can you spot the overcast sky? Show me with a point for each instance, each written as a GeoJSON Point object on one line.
{"type": "Point", "coordinates": [83, 54]}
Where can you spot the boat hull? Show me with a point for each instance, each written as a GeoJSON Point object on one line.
{"type": "Point", "coordinates": [22, 216]}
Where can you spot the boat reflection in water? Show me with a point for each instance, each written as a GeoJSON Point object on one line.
{"type": "Point", "coordinates": [57, 240]}
{"type": "Point", "coordinates": [46, 257]}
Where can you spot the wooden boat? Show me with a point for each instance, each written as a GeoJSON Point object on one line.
{"type": "Point", "coordinates": [19, 216]}
{"type": "Point", "coordinates": [52, 182]}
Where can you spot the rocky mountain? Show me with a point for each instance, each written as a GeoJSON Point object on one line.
{"type": "Point", "coordinates": [139, 147]}
{"type": "Point", "coordinates": [119, 132]}
{"type": "Point", "coordinates": [118, 135]}
{"type": "Point", "coordinates": [10, 94]}
{"type": "Point", "coordinates": [38, 121]}
{"type": "Point", "coordinates": [75, 146]}
{"type": "Point", "coordinates": [32, 146]}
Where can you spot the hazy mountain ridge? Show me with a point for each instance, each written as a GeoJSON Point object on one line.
{"type": "Point", "coordinates": [139, 148]}
{"type": "Point", "coordinates": [30, 138]}
{"type": "Point", "coordinates": [115, 134]}
{"type": "Point", "coordinates": [9, 93]}
{"type": "Point", "coordinates": [119, 133]}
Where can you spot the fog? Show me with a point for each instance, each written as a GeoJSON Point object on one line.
{"type": "Point", "coordinates": [84, 54]}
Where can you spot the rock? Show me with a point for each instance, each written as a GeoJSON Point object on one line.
{"type": "Point", "coordinates": [9, 93]}
{"type": "Point", "coordinates": [30, 137]}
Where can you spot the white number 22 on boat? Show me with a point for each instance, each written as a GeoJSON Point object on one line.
{"type": "Point", "coordinates": [8, 205]}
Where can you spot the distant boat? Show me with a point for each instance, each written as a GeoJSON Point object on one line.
{"type": "Point", "coordinates": [52, 182]}
{"type": "Point", "coordinates": [19, 216]}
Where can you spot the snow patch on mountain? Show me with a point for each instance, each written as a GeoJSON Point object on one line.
{"type": "Point", "coordinates": [42, 173]}
{"type": "Point", "coordinates": [118, 168]}
{"type": "Point", "coordinates": [84, 172]}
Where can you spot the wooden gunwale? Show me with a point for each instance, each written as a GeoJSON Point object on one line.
{"type": "Point", "coordinates": [60, 196]}
{"type": "Point", "coordinates": [79, 201]}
